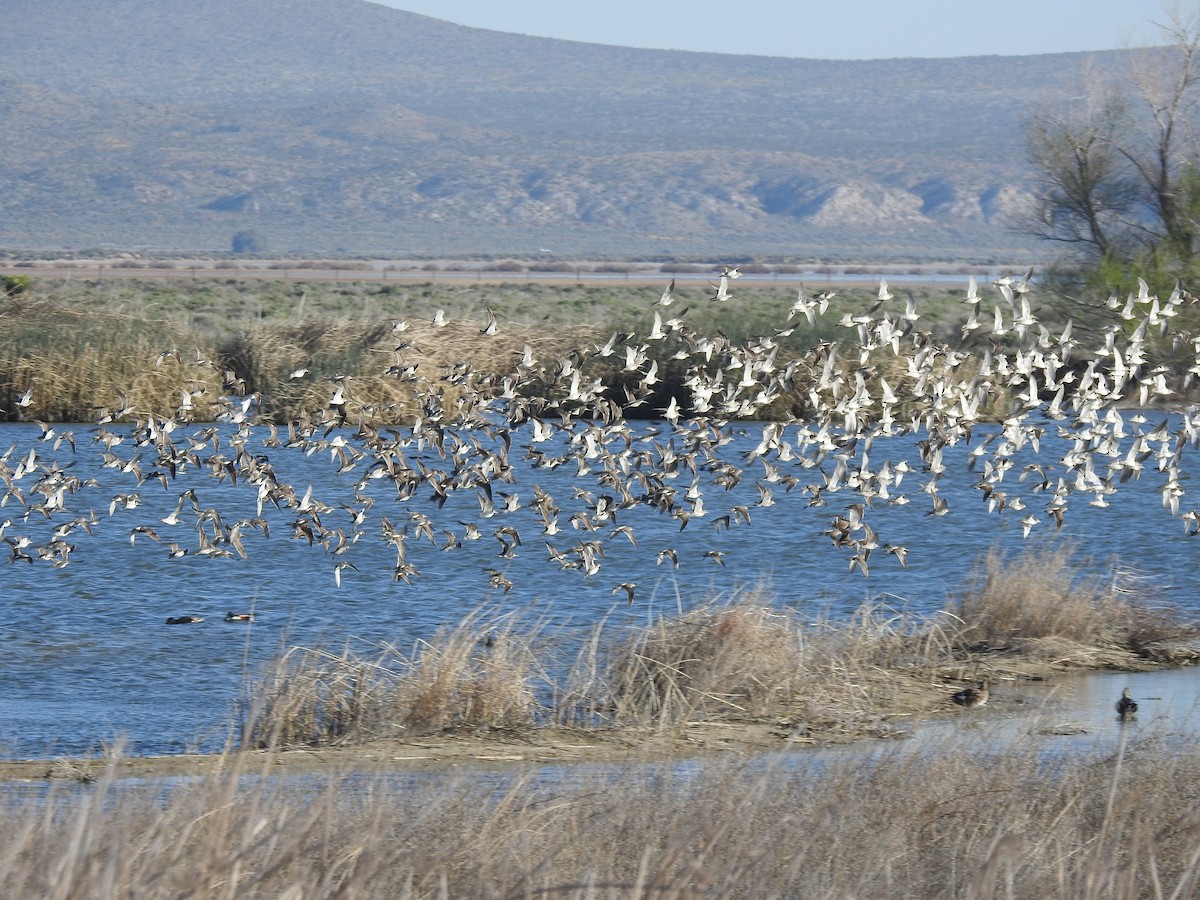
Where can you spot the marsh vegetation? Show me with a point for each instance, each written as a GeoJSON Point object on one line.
{"type": "Point", "coordinates": [656, 812]}
{"type": "Point", "coordinates": [745, 660]}
{"type": "Point", "coordinates": [978, 818]}
{"type": "Point", "coordinates": [977, 822]}
{"type": "Point", "coordinates": [86, 343]}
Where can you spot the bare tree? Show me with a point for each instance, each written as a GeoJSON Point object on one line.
{"type": "Point", "coordinates": [1119, 166]}
{"type": "Point", "coordinates": [1167, 158]}
{"type": "Point", "coordinates": [1088, 194]}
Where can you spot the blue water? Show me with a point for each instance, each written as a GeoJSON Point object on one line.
{"type": "Point", "coordinates": [88, 657]}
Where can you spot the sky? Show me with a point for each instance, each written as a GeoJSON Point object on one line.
{"type": "Point", "coordinates": [828, 29]}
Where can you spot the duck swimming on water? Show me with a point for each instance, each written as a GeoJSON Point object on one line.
{"type": "Point", "coordinates": [239, 617]}
{"type": "Point", "coordinates": [184, 620]}
{"type": "Point", "coordinates": [1126, 706]}
{"type": "Point", "coordinates": [972, 698]}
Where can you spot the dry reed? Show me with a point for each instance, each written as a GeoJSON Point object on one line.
{"type": "Point", "coordinates": [737, 660]}
{"type": "Point", "coordinates": [83, 345]}
{"type": "Point", "coordinates": [82, 362]}
{"type": "Point", "coordinates": [482, 673]}
{"type": "Point", "coordinates": [1039, 604]}
{"type": "Point", "coordinates": [748, 661]}
{"type": "Point", "coordinates": [982, 820]}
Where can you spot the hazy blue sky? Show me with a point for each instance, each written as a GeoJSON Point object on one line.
{"type": "Point", "coordinates": [831, 29]}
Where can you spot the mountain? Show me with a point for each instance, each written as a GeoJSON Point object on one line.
{"type": "Point", "coordinates": [343, 126]}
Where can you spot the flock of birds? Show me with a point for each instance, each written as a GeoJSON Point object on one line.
{"type": "Point", "coordinates": [468, 465]}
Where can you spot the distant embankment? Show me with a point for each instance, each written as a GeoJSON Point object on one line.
{"type": "Point", "coordinates": [583, 273]}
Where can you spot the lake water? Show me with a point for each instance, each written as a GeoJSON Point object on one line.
{"type": "Point", "coordinates": [88, 656]}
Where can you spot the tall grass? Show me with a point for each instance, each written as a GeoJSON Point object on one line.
{"type": "Point", "coordinates": [743, 659]}
{"type": "Point", "coordinates": [482, 673]}
{"type": "Point", "coordinates": [977, 818]}
{"type": "Point", "coordinates": [83, 345]}
{"type": "Point", "coordinates": [1040, 603]}
{"type": "Point", "coordinates": [721, 662]}
{"type": "Point", "coordinates": [82, 360]}
{"type": "Point", "coordinates": [749, 661]}
{"type": "Point", "coordinates": [969, 821]}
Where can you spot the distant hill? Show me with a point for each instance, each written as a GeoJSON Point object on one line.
{"type": "Point", "coordinates": [342, 126]}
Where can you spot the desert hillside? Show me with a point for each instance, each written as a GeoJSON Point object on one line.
{"type": "Point", "coordinates": [342, 126]}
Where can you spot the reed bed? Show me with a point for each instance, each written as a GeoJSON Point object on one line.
{"type": "Point", "coordinates": [718, 662]}
{"type": "Point", "coordinates": [90, 346]}
{"type": "Point", "coordinates": [742, 659]}
{"type": "Point", "coordinates": [749, 661]}
{"type": "Point", "coordinates": [976, 820]}
{"type": "Point", "coordinates": [482, 673]}
{"type": "Point", "coordinates": [84, 363]}
{"type": "Point", "coordinates": [1043, 604]}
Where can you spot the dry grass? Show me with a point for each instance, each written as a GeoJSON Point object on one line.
{"type": "Point", "coordinates": [975, 817]}
{"type": "Point", "coordinates": [482, 673]}
{"type": "Point", "coordinates": [719, 662]}
{"type": "Point", "coordinates": [738, 660]}
{"type": "Point", "coordinates": [394, 377]}
{"type": "Point", "coordinates": [1039, 604]}
{"type": "Point", "coordinates": [970, 820]}
{"type": "Point", "coordinates": [82, 360]}
{"type": "Point", "coordinates": [83, 344]}
{"type": "Point", "coordinates": [746, 660]}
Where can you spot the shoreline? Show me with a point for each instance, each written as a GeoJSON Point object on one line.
{"type": "Point", "coordinates": [1021, 687]}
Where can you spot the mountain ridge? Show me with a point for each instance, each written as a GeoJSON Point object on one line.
{"type": "Point", "coordinates": [347, 127]}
